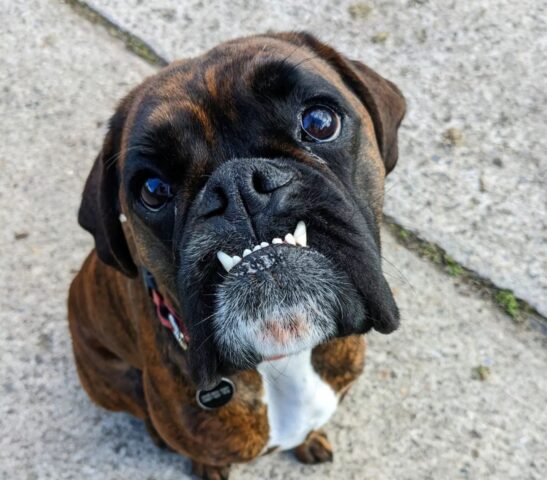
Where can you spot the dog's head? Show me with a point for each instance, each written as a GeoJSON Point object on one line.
{"type": "Point", "coordinates": [275, 145]}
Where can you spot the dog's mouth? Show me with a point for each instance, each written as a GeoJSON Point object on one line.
{"type": "Point", "coordinates": [263, 256]}
{"type": "Point", "coordinates": [278, 299]}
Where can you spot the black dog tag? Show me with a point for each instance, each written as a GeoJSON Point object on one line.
{"type": "Point", "coordinates": [218, 396]}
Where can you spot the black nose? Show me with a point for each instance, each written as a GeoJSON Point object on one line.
{"type": "Point", "coordinates": [245, 188]}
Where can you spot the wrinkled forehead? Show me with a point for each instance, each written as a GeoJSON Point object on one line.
{"type": "Point", "coordinates": [238, 65]}
{"type": "Point", "coordinates": [224, 80]}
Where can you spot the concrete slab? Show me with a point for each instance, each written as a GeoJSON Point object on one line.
{"type": "Point", "coordinates": [417, 413]}
{"type": "Point", "coordinates": [472, 170]}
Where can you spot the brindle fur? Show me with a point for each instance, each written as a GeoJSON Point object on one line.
{"type": "Point", "coordinates": [126, 360]}
{"type": "Point", "coordinates": [119, 352]}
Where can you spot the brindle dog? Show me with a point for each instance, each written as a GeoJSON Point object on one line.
{"type": "Point", "coordinates": [249, 183]}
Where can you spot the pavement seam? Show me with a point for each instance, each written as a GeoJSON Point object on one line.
{"type": "Point", "coordinates": [516, 308]}
{"type": "Point", "coordinates": [133, 43]}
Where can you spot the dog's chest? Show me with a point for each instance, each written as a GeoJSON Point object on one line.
{"type": "Point", "coordinates": [298, 400]}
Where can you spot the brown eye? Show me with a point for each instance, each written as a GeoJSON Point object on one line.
{"type": "Point", "coordinates": [155, 193]}
{"type": "Point", "coordinates": [320, 124]}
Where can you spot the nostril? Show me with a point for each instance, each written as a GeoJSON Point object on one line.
{"type": "Point", "coordinates": [269, 180]}
{"type": "Point", "coordinates": [214, 203]}
{"type": "Point", "coordinates": [260, 183]}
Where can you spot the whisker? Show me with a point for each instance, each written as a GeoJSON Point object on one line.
{"type": "Point", "coordinates": [114, 158]}
{"type": "Point", "coordinates": [205, 319]}
{"type": "Point", "coordinates": [205, 341]}
{"type": "Point", "coordinates": [401, 276]}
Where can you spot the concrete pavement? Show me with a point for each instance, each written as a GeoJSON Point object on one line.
{"type": "Point", "coordinates": [421, 411]}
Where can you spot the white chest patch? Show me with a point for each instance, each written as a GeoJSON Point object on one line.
{"type": "Point", "coordinates": [298, 400]}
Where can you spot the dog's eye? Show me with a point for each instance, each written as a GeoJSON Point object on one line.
{"type": "Point", "coordinates": [155, 193]}
{"type": "Point", "coordinates": [320, 124]}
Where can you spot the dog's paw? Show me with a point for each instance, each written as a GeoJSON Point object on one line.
{"type": "Point", "coordinates": [315, 449]}
{"type": "Point", "coordinates": [210, 472]}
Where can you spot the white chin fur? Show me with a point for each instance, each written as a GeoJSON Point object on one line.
{"type": "Point", "coordinates": [281, 331]}
{"type": "Point", "coordinates": [291, 307]}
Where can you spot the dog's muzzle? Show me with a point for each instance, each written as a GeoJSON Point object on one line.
{"type": "Point", "coordinates": [278, 295]}
{"type": "Point", "coordinates": [264, 267]}
{"type": "Point", "coordinates": [279, 300]}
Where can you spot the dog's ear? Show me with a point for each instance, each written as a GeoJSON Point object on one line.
{"type": "Point", "coordinates": [387, 106]}
{"type": "Point", "coordinates": [382, 99]}
{"type": "Point", "coordinates": [100, 211]}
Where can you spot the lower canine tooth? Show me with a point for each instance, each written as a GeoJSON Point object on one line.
{"type": "Point", "coordinates": [226, 260]}
{"type": "Point", "coordinates": [300, 234]}
{"type": "Point", "coordinates": [290, 239]}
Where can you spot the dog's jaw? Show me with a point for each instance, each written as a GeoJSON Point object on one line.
{"type": "Point", "coordinates": [292, 305]}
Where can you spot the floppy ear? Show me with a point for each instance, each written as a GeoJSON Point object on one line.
{"type": "Point", "coordinates": [387, 106]}
{"type": "Point", "coordinates": [99, 211]}
{"type": "Point", "coordinates": [382, 99]}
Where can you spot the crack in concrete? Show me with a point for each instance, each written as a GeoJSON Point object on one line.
{"type": "Point", "coordinates": [516, 308]}
{"type": "Point", "coordinates": [132, 43]}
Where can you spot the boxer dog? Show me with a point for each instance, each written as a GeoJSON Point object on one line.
{"type": "Point", "coordinates": [235, 207]}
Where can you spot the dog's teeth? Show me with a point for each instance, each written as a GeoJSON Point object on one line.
{"type": "Point", "coordinates": [122, 218]}
{"type": "Point", "coordinates": [300, 234]}
{"type": "Point", "coordinates": [257, 247]}
{"type": "Point", "coordinates": [289, 238]}
{"type": "Point", "coordinates": [276, 241]}
{"type": "Point", "coordinates": [235, 260]}
{"type": "Point", "coordinates": [264, 244]}
{"type": "Point", "coordinates": [226, 260]}
{"type": "Point", "coordinates": [246, 252]}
